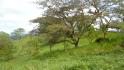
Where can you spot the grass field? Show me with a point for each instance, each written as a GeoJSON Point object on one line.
{"type": "Point", "coordinates": [89, 56]}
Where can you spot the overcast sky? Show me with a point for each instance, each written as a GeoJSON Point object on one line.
{"type": "Point", "coordinates": [17, 14]}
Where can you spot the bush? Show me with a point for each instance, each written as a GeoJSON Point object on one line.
{"type": "Point", "coordinates": [5, 46]}
{"type": "Point", "coordinates": [27, 46]}
{"type": "Point", "coordinates": [99, 40]}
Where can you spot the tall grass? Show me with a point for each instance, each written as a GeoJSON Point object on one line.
{"type": "Point", "coordinates": [89, 56]}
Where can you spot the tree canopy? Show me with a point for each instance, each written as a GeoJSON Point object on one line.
{"type": "Point", "coordinates": [71, 19]}
{"type": "Point", "coordinates": [17, 33]}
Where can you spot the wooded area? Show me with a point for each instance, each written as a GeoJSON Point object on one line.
{"type": "Point", "coordinates": [71, 35]}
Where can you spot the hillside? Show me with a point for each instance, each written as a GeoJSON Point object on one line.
{"type": "Point", "coordinates": [89, 56]}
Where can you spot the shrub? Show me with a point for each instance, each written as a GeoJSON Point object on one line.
{"type": "Point", "coordinates": [5, 46]}
{"type": "Point", "coordinates": [98, 40]}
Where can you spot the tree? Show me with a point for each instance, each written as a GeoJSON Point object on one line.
{"type": "Point", "coordinates": [50, 28]}
{"type": "Point", "coordinates": [119, 9]}
{"type": "Point", "coordinates": [17, 33]}
{"type": "Point", "coordinates": [91, 34]}
{"type": "Point", "coordinates": [103, 13]}
{"type": "Point", "coordinates": [72, 16]}
{"type": "Point", "coordinates": [119, 12]}
{"type": "Point", "coordinates": [34, 32]}
{"type": "Point", "coordinates": [6, 46]}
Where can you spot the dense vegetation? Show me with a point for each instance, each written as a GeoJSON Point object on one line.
{"type": "Point", "coordinates": [67, 38]}
{"type": "Point", "coordinates": [89, 56]}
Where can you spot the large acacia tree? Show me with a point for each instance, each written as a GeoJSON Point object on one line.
{"type": "Point", "coordinates": [73, 16]}
{"type": "Point", "coordinates": [51, 28]}
{"type": "Point", "coordinates": [71, 13]}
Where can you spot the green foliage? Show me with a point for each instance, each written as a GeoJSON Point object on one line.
{"type": "Point", "coordinates": [17, 34]}
{"type": "Point", "coordinates": [28, 45]}
{"type": "Point", "coordinates": [89, 56]}
{"type": "Point", "coordinates": [6, 46]}
{"type": "Point", "coordinates": [91, 34]}
{"type": "Point", "coordinates": [120, 25]}
{"type": "Point", "coordinates": [69, 18]}
{"type": "Point", "coordinates": [66, 22]}
{"type": "Point", "coordinates": [60, 19]}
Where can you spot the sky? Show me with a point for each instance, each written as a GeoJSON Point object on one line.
{"type": "Point", "coordinates": [17, 14]}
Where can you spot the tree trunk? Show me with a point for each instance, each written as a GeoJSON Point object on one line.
{"type": "Point", "coordinates": [104, 35]}
{"type": "Point", "coordinates": [65, 43]}
{"type": "Point", "coordinates": [76, 43]}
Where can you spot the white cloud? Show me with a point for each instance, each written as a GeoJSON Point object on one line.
{"type": "Point", "coordinates": [17, 13]}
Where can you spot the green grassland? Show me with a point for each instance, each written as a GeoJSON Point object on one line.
{"type": "Point", "coordinates": [88, 56]}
